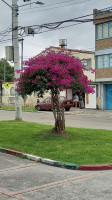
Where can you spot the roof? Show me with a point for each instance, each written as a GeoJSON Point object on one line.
{"type": "Point", "coordinates": [66, 50]}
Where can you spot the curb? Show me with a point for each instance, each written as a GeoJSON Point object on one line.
{"type": "Point", "coordinates": [96, 167]}
{"type": "Point", "coordinates": [56, 163]}
{"type": "Point", "coordinates": [39, 159]}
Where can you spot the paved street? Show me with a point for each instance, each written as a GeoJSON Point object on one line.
{"type": "Point", "coordinates": [25, 180]}
{"type": "Point", "coordinates": [84, 118]}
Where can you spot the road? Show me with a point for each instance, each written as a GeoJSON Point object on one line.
{"type": "Point", "coordinates": [85, 118]}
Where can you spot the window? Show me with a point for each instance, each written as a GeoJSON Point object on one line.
{"type": "Point", "coordinates": [104, 30]}
{"type": "Point", "coordinates": [99, 62]}
{"type": "Point", "coordinates": [47, 100]}
{"type": "Point", "coordinates": [110, 29]}
{"type": "Point", "coordinates": [110, 60]}
{"type": "Point", "coordinates": [88, 66]}
{"type": "Point", "coordinates": [87, 63]}
{"type": "Point", "coordinates": [12, 92]}
{"type": "Point", "coordinates": [99, 31]}
{"type": "Point", "coordinates": [104, 61]}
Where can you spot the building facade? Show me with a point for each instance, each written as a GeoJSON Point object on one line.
{"type": "Point", "coordinates": [88, 59]}
{"type": "Point", "coordinates": [8, 94]}
{"type": "Point", "coordinates": [103, 55]}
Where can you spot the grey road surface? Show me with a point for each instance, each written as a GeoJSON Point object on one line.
{"type": "Point", "coordinates": [26, 180]}
{"type": "Point", "coordinates": [85, 118]}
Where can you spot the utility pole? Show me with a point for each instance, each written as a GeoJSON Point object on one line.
{"type": "Point", "coordinates": [18, 106]}
{"type": "Point", "coordinates": [21, 40]}
{"type": "Point", "coordinates": [4, 70]}
{"type": "Point", "coordinates": [15, 43]}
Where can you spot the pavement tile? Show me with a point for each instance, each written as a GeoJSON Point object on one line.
{"type": "Point", "coordinates": [94, 188]}
{"type": "Point", "coordinates": [5, 197]}
{"type": "Point", "coordinates": [11, 161]}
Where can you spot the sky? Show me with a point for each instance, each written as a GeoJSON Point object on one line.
{"type": "Point", "coordinates": [80, 36]}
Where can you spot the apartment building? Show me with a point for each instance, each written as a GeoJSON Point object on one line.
{"type": "Point", "coordinates": [103, 55]}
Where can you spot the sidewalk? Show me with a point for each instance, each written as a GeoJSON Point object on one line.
{"type": "Point", "coordinates": [21, 179]}
{"type": "Point", "coordinates": [90, 112]}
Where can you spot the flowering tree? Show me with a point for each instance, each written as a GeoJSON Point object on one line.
{"type": "Point", "coordinates": [55, 72]}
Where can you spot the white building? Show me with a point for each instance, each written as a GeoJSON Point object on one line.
{"type": "Point", "coordinates": [90, 99]}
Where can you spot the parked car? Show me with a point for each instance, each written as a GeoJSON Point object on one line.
{"type": "Point", "coordinates": [47, 104]}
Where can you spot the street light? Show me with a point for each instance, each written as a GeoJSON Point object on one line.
{"type": "Point", "coordinates": [37, 2]}
{"type": "Point", "coordinates": [14, 8]}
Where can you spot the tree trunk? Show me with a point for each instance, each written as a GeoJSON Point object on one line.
{"type": "Point", "coordinates": [58, 111]}
{"type": "Point", "coordinates": [24, 99]}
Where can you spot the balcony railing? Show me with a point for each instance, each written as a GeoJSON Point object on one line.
{"type": "Point", "coordinates": [103, 11]}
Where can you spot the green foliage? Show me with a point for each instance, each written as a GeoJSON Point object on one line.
{"type": "Point", "coordinates": [78, 88]}
{"type": "Point", "coordinates": [9, 72]}
{"type": "Point", "coordinates": [79, 146]}
{"type": "Point", "coordinates": [27, 109]}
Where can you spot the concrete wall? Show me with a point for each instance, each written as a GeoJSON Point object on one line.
{"type": "Point", "coordinates": [8, 99]}
{"type": "Point", "coordinates": [87, 56]}
{"type": "Point", "coordinates": [104, 73]}
{"type": "Point", "coordinates": [103, 44]}
{"type": "Point", "coordinates": [102, 96]}
{"type": "Point", "coordinates": [81, 55]}
{"type": "Point", "coordinates": [90, 99]}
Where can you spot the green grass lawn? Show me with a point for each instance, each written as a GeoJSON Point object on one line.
{"type": "Point", "coordinates": [80, 146]}
{"type": "Point", "coordinates": [30, 109]}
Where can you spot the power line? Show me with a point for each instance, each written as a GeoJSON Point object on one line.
{"type": "Point", "coordinates": [63, 2]}
{"type": "Point", "coordinates": [54, 25]}
{"type": "Point", "coordinates": [55, 7]}
{"type": "Point", "coordinates": [48, 25]}
{"type": "Point", "coordinates": [7, 4]}
{"type": "Point", "coordinates": [48, 5]}
{"type": "Point", "coordinates": [77, 19]}
{"type": "Point", "coordinates": [8, 40]}
{"type": "Point", "coordinates": [5, 31]}
{"type": "Point", "coordinates": [5, 41]}
{"type": "Point", "coordinates": [5, 35]}
{"type": "Point", "coordinates": [59, 28]}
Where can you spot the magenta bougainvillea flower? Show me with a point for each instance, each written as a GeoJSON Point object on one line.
{"type": "Point", "coordinates": [51, 71]}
